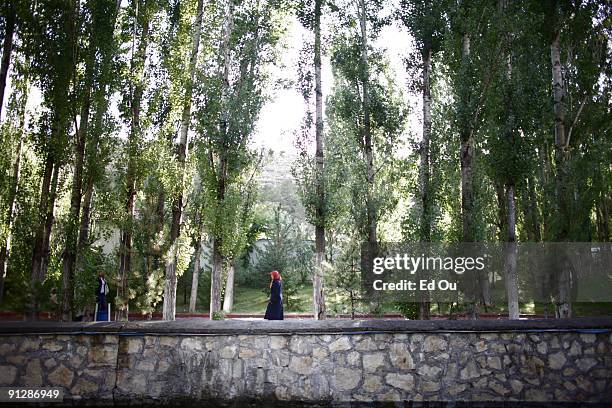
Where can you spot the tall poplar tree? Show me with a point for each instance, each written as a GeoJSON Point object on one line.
{"type": "Point", "coordinates": [52, 39]}
{"type": "Point", "coordinates": [309, 14]}
{"type": "Point", "coordinates": [169, 309]}
{"type": "Point", "coordinates": [141, 19]}
{"type": "Point", "coordinates": [101, 16]}
{"type": "Point", "coordinates": [425, 21]}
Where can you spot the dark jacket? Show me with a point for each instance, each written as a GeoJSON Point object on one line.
{"type": "Point", "coordinates": [99, 288]}
{"type": "Point", "coordinates": [275, 306]}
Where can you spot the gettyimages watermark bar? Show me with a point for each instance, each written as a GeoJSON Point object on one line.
{"type": "Point", "coordinates": [457, 272]}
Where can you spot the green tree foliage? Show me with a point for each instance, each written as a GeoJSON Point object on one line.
{"type": "Point", "coordinates": [346, 280]}
{"type": "Point", "coordinates": [286, 250]}
{"type": "Point", "coordinates": [347, 170]}
{"type": "Point", "coordinates": [126, 145]}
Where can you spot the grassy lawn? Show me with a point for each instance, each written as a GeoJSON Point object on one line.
{"type": "Point", "coordinates": [255, 300]}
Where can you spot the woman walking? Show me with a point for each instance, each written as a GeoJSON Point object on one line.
{"type": "Point", "coordinates": [275, 305]}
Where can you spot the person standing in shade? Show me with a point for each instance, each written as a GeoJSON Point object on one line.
{"type": "Point", "coordinates": [101, 292]}
{"type": "Point", "coordinates": [275, 305]}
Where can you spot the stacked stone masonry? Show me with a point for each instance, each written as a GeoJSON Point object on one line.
{"type": "Point", "coordinates": [503, 366]}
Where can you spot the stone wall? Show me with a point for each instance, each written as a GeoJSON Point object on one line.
{"type": "Point", "coordinates": [294, 362]}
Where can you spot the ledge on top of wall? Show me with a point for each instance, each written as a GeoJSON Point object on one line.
{"type": "Point", "coordinates": [237, 327]}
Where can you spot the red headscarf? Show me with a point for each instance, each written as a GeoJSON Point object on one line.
{"type": "Point", "coordinates": [275, 275]}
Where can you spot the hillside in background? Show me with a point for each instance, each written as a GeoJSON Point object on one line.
{"type": "Point", "coordinates": [277, 185]}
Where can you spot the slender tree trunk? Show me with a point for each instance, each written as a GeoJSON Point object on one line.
{"type": "Point", "coordinates": [125, 251]}
{"type": "Point", "coordinates": [318, 293]}
{"type": "Point", "coordinates": [424, 170]}
{"type": "Point", "coordinates": [467, 177]}
{"type": "Point", "coordinates": [561, 189]}
{"type": "Point", "coordinates": [125, 260]}
{"type": "Point", "coordinates": [560, 136]}
{"type": "Point", "coordinates": [329, 255]}
{"type": "Point", "coordinates": [49, 219]}
{"type": "Point", "coordinates": [532, 214]}
{"type": "Point", "coordinates": [485, 288]}
{"type": "Point", "coordinates": [71, 245]}
{"type": "Point", "coordinates": [38, 266]}
{"type": "Point", "coordinates": [511, 273]}
{"type": "Point", "coordinates": [467, 158]}
{"type": "Point", "coordinates": [425, 173]}
{"type": "Point", "coordinates": [217, 264]}
{"type": "Point", "coordinates": [368, 157]}
{"type": "Point", "coordinates": [7, 48]}
{"type": "Point", "coordinates": [602, 216]}
{"type": "Point", "coordinates": [366, 134]}
{"type": "Point", "coordinates": [155, 249]}
{"type": "Point", "coordinates": [69, 253]}
{"type": "Point", "coordinates": [523, 201]}
{"type": "Point", "coordinates": [511, 134]}
{"type": "Point", "coordinates": [196, 273]}
{"type": "Point", "coordinates": [88, 189]}
{"type": "Point", "coordinates": [153, 253]}
{"type": "Point", "coordinates": [228, 300]}
{"type": "Point", "coordinates": [36, 275]}
{"type": "Point", "coordinates": [10, 212]}
{"type": "Point", "coordinates": [13, 188]}
{"type": "Point", "coordinates": [169, 309]}
{"type": "Point", "coordinates": [502, 217]}
{"type": "Point", "coordinates": [544, 179]}
{"type": "Point", "coordinates": [54, 147]}
{"type": "Point", "coordinates": [85, 217]}
{"type": "Point", "coordinates": [215, 281]}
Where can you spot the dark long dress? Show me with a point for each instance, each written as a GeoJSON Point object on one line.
{"type": "Point", "coordinates": [275, 306]}
{"type": "Point", "coordinates": [100, 295]}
